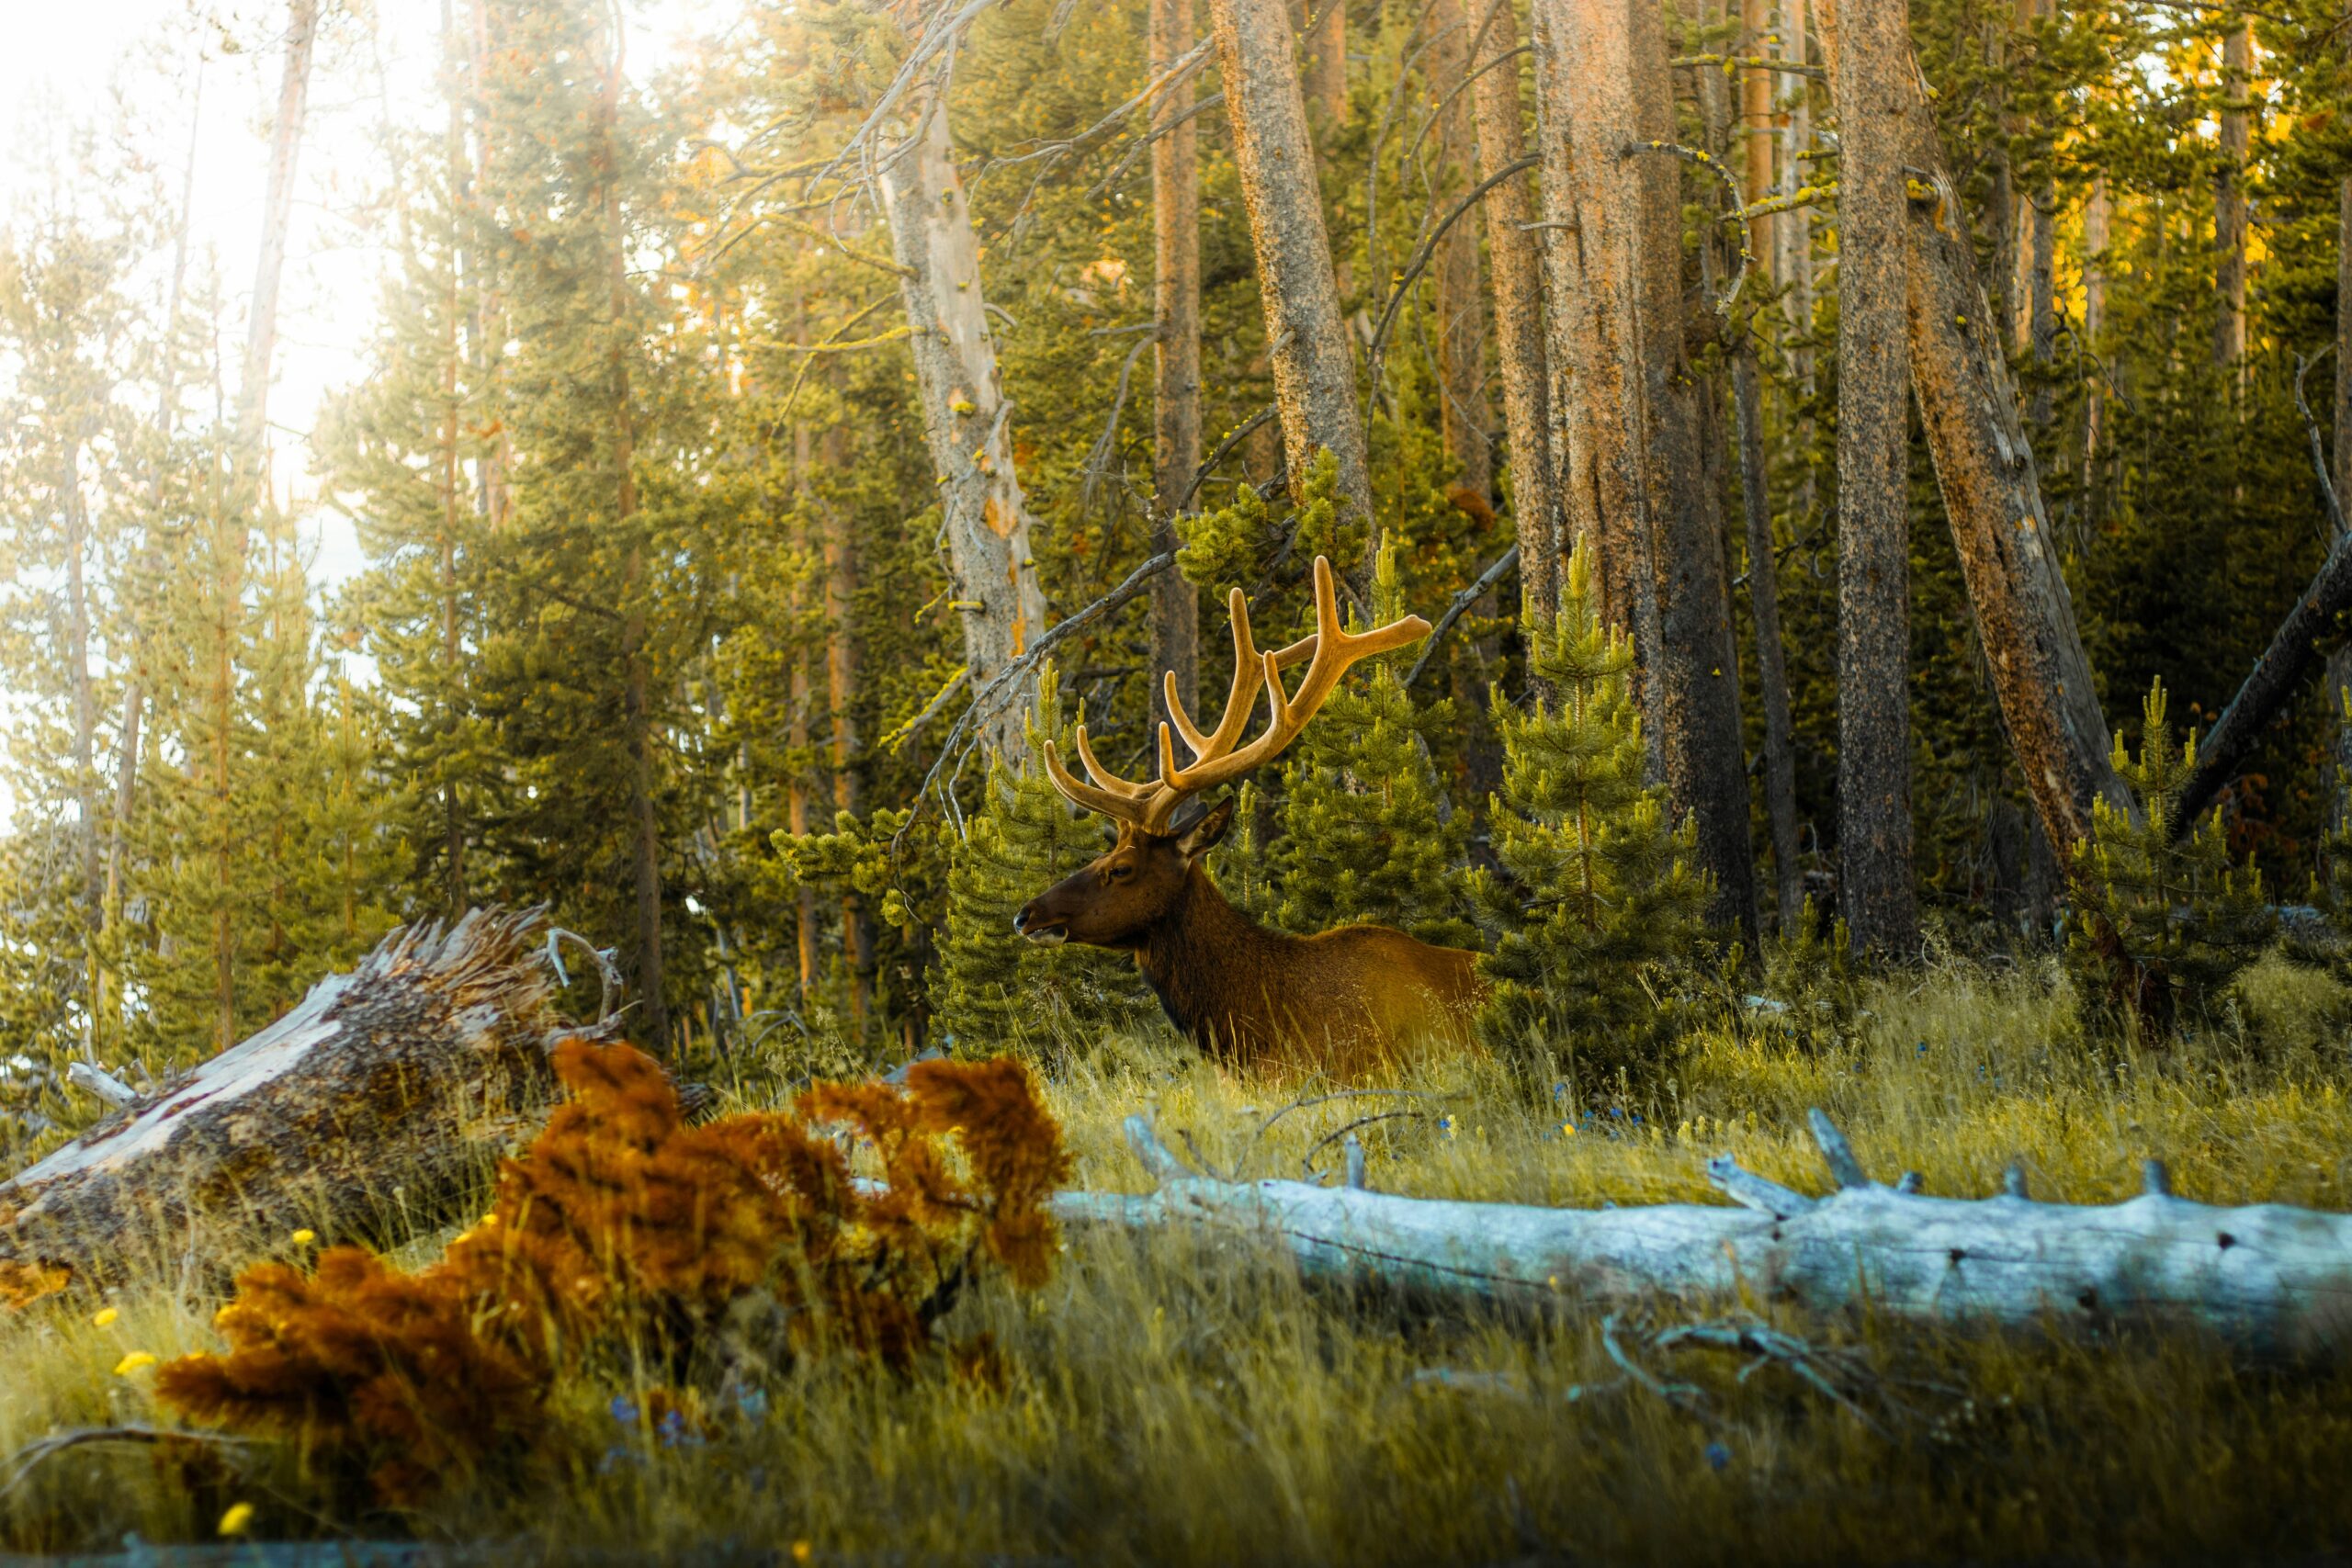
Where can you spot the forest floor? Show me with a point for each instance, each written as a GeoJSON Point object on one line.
{"type": "Point", "coordinates": [1171, 1401]}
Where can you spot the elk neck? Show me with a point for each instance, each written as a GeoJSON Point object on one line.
{"type": "Point", "coordinates": [1204, 958]}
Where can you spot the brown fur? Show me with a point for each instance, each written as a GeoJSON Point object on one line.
{"type": "Point", "coordinates": [1342, 1004]}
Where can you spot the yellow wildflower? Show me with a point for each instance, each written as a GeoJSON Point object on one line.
{"type": "Point", "coordinates": [132, 1362]}
{"type": "Point", "coordinates": [104, 1318]}
{"type": "Point", "coordinates": [239, 1517]}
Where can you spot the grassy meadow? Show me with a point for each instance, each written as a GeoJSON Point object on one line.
{"type": "Point", "coordinates": [1174, 1399]}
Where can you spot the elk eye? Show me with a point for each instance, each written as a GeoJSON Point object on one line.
{"type": "Point", "coordinates": [1120, 873]}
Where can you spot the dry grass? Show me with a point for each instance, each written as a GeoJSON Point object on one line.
{"type": "Point", "coordinates": [1174, 1404]}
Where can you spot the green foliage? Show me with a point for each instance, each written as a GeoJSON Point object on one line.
{"type": "Point", "coordinates": [1596, 910]}
{"type": "Point", "coordinates": [993, 990]}
{"type": "Point", "coordinates": [1367, 832]}
{"type": "Point", "coordinates": [2164, 919]}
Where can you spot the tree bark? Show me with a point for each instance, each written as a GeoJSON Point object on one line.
{"type": "Point", "coordinates": [1516, 264]}
{"type": "Point", "coordinates": [2229, 202]}
{"type": "Point", "coordinates": [286, 145]}
{"type": "Point", "coordinates": [1793, 230]}
{"type": "Point", "coordinates": [1463, 417]}
{"type": "Point", "coordinates": [1697, 674]}
{"type": "Point", "coordinates": [1992, 494]}
{"type": "Point", "coordinates": [2339, 662]}
{"type": "Point", "coordinates": [2096, 213]}
{"type": "Point", "coordinates": [966, 415]}
{"type": "Point", "coordinates": [1593, 203]}
{"type": "Point", "coordinates": [1753, 155]}
{"type": "Point", "coordinates": [1873, 487]}
{"type": "Point", "coordinates": [1771, 658]}
{"type": "Point", "coordinates": [397, 1082]}
{"type": "Point", "coordinates": [1314, 366]}
{"type": "Point", "coordinates": [1323, 45]}
{"type": "Point", "coordinates": [1176, 402]}
{"type": "Point", "coordinates": [453, 848]}
{"type": "Point", "coordinates": [841, 699]}
{"type": "Point", "coordinates": [2266, 1281]}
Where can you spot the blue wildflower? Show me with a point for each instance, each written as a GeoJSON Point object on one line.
{"type": "Point", "coordinates": [624, 1409]}
{"type": "Point", "coordinates": [1718, 1456]}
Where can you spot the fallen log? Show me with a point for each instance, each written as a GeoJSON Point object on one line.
{"type": "Point", "coordinates": [2269, 1281]}
{"type": "Point", "coordinates": [378, 1096]}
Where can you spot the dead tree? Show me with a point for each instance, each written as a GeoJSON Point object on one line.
{"type": "Point", "coordinates": [2267, 1281]}
{"type": "Point", "coordinates": [966, 418]}
{"type": "Point", "coordinates": [381, 1093]}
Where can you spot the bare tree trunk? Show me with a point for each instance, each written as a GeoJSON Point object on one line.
{"type": "Point", "coordinates": [840, 696]}
{"type": "Point", "coordinates": [1772, 659]}
{"type": "Point", "coordinates": [1753, 155]}
{"type": "Point", "coordinates": [408, 1076]}
{"type": "Point", "coordinates": [964, 412]}
{"type": "Point", "coordinates": [2229, 202]}
{"type": "Point", "coordinates": [1464, 416]}
{"type": "Point", "coordinates": [2096, 212]}
{"type": "Point", "coordinates": [1793, 230]}
{"type": "Point", "coordinates": [2000, 192]}
{"type": "Point", "coordinates": [1324, 46]}
{"type": "Point", "coordinates": [1992, 495]}
{"type": "Point", "coordinates": [636, 697]}
{"type": "Point", "coordinates": [1698, 676]}
{"type": "Point", "coordinates": [1873, 487]}
{"type": "Point", "coordinates": [1314, 366]}
{"type": "Point", "coordinates": [796, 734]}
{"type": "Point", "coordinates": [2339, 662]}
{"type": "Point", "coordinates": [1517, 264]}
{"type": "Point", "coordinates": [2004, 1261]}
{"type": "Point", "coordinates": [286, 145]}
{"type": "Point", "coordinates": [1592, 194]}
{"type": "Point", "coordinates": [1176, 403]}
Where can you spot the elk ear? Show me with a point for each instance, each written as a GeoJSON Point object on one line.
{"type": "Point", "coordinates": [1206, 831]}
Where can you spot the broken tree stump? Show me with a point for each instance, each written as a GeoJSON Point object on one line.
{"type": "Point", "coordinates": [377, 1097]}
{"type": "Point", "coordinates": [2267, 1281]}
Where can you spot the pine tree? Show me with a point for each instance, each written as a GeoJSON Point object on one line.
{"type": "Point", "coordinates": [1597, 912]}
{"type": "Point", "coordinates": [1367, 832]}
{"type": "Point", "coordinates": [994, 990]}
{"type": "Point", "coordinates": [2165, 920]}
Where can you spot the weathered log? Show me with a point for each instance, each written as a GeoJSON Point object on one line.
{"type": "Point", "coordinates": [379, 1095]}
{"type": "Point", "coordinates": [2267, 1281]}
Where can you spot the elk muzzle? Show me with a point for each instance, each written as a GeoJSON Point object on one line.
{"type": "Point", "coordinates": [1039, 926]}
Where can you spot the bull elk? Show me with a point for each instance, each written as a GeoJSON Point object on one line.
{"type": "Point", "coordinates": [1344, 1002]}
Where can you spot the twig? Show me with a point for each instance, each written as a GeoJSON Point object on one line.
{"type": "Point", "coordinates": [1453, 612]}
{"type": "Point", "coordinates": [1716, 167]}
{"type": "Point", "coordinates": [1098, 457]}
{"type": "Point", "coordinates": [1429, 248]}
{"type": "Point", "coordinates": [1233, 438]}
{"type": "Point", "coordinates": [1355, 1149]}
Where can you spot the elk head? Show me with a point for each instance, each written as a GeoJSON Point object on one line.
{"type": "Point", "coordinates": [1119, 899]}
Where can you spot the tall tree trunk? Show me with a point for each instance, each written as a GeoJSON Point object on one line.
{"type": "Point", "coordinates": [1698, 674]}
{"type": "Point", "coordinates": [286, 145]}
{"type": "Point", "coordinates": [1176, 401]}
{"type": "Point", "coordinates": [840, 696]}
{"type": "Point", "coordinates": [1793, 230]}
{"type": "Point", "coordinates": [1314, 368]}
{"type": "Point", "coordinates": [1753, 155]}
{"type": "Point", "coordinates": [1516, 264]}
{"type": "Point", "coordinates": [1592, 192]}
{"type": "Point", "coordinates": [2000, 176]}
{"type": "Point", "coordinates": [2339, 662]}
{"type": "Point", "coordinates": [1463, 417]}
{"type": "Point", "coordinates": [2096, 214]}
{"type": "Point", "coordinates": [1992, 494]}
{"type": "Point", "coordinates": [965, 414]}
{"type": "Point", "coordinates": [795, 787]}
{"type": "Point", "coordinates": [1873, 486]}
{"type": "Point", "coordinates": [1323, 45]}
{"type": "Point", "coordinates": [1772, 659]}
{"type": "Point", "coordinates": [645, 856]}
{"type": "Point", "coordinates": [2229, 201]}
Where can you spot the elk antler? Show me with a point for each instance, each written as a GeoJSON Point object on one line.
{"type": "Point", "coordinates": [1215, 758]}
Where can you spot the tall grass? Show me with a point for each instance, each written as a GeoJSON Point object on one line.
{"type": "Point", "coordinates": [1175, 1399]}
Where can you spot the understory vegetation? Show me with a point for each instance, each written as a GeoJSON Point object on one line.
{"type": "Point", "coordinates": [1168, 1399]}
